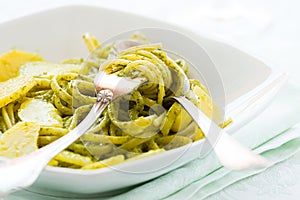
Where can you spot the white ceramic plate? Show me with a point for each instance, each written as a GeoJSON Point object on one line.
{"type": "Point", "coordinates": [248, 83]}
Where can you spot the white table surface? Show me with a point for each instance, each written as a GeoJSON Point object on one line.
{"type": "Point", "coordinates": [265, 28]}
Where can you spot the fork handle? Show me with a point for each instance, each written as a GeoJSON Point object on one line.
{"type": "Point", "coordinates": [22, 172]}
{"type": "Point", "coordinates": [229, 151]}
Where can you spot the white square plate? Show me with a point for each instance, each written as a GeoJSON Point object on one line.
{"type": "Point", "coordinates": [249, 85]}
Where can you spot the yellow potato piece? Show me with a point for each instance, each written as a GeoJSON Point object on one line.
{"type": "Point", "coordinates": [73, 158]}
{"type": "Point", "coordinates": [11, 62]}
{"type": "Point", "coordinates": [48, 69]}
{"type": "Point", "coordinates": [14, 88]}
{"type": "Point", "coordinates": [105, 163]}
{"type": "Point", "coordinates": [36, 110]}
{"type": "Point", "coordinates": [182, 121]}
{"type": "Point", "coordinates": [21, 139]}
{"type": "Point", "coordinates": [206, 105]}
{"type": "Point", "coordinates": [147, 154]}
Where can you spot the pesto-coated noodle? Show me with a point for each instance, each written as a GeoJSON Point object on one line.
{"type": "Point", "coordinates": [133, 126]}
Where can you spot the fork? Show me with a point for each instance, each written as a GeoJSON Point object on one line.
{"type": "Point", "coordinates": [229, 151]}
{"type": "Point", "coordinates": [21, 172]}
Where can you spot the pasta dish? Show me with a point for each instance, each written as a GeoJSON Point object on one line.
{"type": "Point", "coordinates": [41, 101]}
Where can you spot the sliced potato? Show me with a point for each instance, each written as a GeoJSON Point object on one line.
{"type": "Point", "coordinates": [147, 154]}
{"type": "Point", "coordinates": [205, 102]}
{"type": "Point", "coordinates": [183, 119]}
{"type": "Point", "coordinates": [15, 88]}
{"type": "Point", "coordinates": [36, 110]}
{"type": "Point", "coordinates": [11, 62]}
{"type": "Point", "coordinates": [73, 158]}
{"type": "Point", "coordinates": [48, 69]}
{"type": "Point", "coordinates": [206, 105]}
{"type": "Point", "coordinates": [21, 139]}
{"type": "Point", "coordinates": [105, 163]}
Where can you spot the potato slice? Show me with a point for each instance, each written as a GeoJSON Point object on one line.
{"type": "Point", "coordinates": [105, 163]}
{"type": "Point", "coordinates": [206, 104]}
{"type": "Point", "coordinates": [48, 69]}
{"type": "Point", "coordinates": [11, 62]}
{"type": "Point", "coordinates": [14, 88]}
{"type": "Point", "coordinates": [36, 110]}
{"type": "Point", "coordinates": [73, 158]}
{"type": "Point", "coordinates": [21, 139]}
{"type": "Point", "coordinates": [183, 119]}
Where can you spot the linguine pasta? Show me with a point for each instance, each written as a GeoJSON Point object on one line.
{"type": "Point", "coordinates": [57, 97]}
